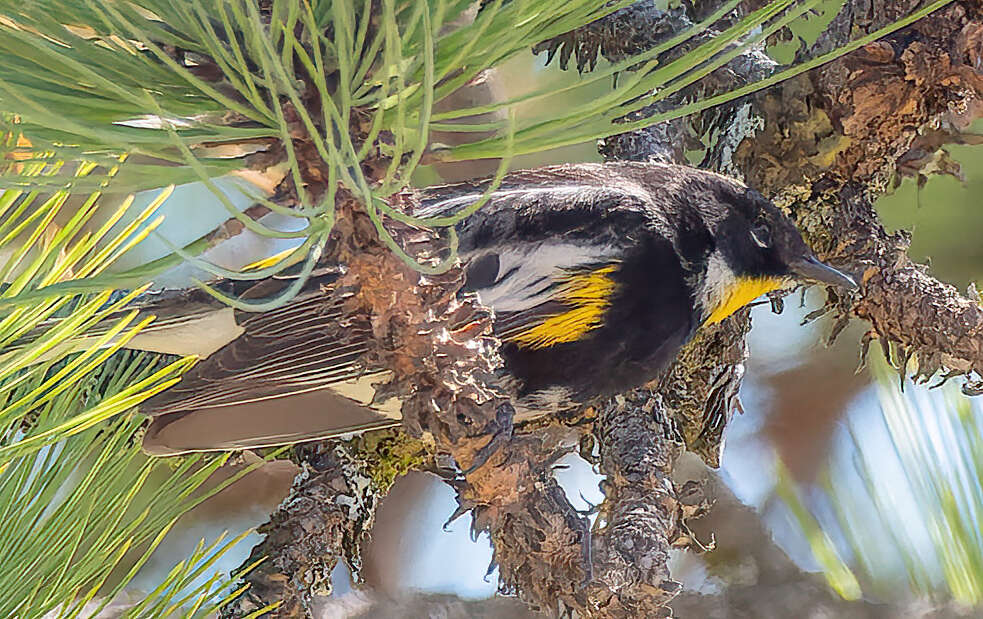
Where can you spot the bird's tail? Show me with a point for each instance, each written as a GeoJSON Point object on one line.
{"type": "Point", "coordinates": [186, 322]}
{"type": "Point", "coordinates": [293, 374]}
{"type": "Point", "coordinates": [292, 418]}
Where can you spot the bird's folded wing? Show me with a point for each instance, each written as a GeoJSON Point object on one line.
{"type": "Point", "coordinates": [296, 373]}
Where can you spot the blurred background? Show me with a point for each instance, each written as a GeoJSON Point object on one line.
{"type": "Point", "coordinates": [873, 489]}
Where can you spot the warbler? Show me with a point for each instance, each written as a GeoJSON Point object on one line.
{"type": "Point", "coordinates": [597, 274]}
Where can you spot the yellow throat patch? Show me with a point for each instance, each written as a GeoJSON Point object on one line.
{"type": "Point", "coordinates": [740, 293]}
{"type": "Point", "coordinates": [588, 296]}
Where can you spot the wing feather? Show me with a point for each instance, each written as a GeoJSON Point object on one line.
{"type": "Point", "coordinates": [307, 345]}
{"type": "Point", "coordinates": [575, 305]}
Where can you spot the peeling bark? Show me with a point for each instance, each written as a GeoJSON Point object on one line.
{"type": "Point", "coordinates": [330, 508]}
{"type": "Point", "coordinates": [325, 519]}
{"type": "Point", "coordinates": [640, 514]}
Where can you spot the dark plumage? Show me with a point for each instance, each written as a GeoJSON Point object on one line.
{"type": "Point", "coordinates": [597, 274]}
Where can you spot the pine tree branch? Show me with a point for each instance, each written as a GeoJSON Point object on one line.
{"type": "Point", "coordinates": [807, 138]}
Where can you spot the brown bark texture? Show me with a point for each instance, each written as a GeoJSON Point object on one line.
{"type": "Point", "coordinates": [325, 519]}
{"type": "Point", "coordinates": [823, 146]}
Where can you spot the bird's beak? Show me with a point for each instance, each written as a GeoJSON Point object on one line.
{"type": "Point", "coordinates": [810, 267]}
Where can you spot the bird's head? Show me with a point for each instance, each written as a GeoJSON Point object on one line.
{"type": "Point", "coordinates": [757, 249]}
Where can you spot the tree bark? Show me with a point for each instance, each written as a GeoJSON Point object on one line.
{"type": "Point", "coordinates": [325, 519]}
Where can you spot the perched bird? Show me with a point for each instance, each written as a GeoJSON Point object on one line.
{"type": "Point", "coordinates": [597, 275]}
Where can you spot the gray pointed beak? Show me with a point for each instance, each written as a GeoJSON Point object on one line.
{"type": "Point", "coordinates": [811, 268]}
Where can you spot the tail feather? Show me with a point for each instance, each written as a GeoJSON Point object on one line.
{"type": "Point", "coordinates": [314, 415]}
{"type": "Point", "coordinates": [188, 321]}
{"type": "Point", "coordinates": [182, 327]}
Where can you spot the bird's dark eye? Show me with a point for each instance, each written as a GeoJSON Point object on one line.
{"type": "Point", "coordinates": [761, 234]}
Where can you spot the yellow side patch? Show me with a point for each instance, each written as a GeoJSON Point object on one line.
{"type": "Point", "coordinates": [588, 295]}
{"type": "Point", "coordinates": [742, 292]}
